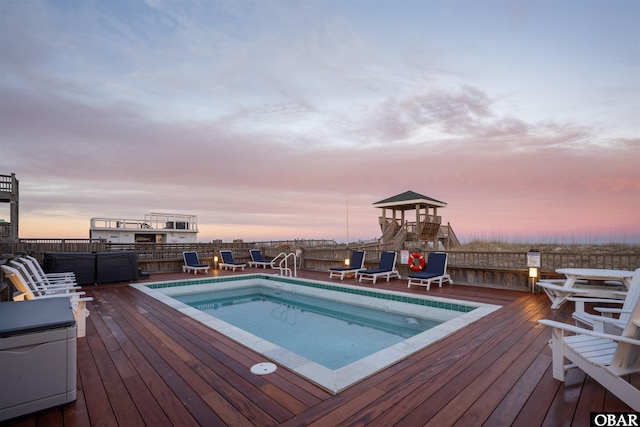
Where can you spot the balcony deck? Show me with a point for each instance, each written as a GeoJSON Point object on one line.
{"type": "Point", "coordinates": [143, 363]}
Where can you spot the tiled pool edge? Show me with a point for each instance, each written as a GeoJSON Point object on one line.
{"type": "Point", "coordinates": [332, 380]}
{"type": "Point", "coordinates": [356, 290]}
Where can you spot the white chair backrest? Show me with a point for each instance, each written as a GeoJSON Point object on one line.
{"type": "Point", "coordinates": [628, 355]}
{"type": "Point", "coordinates": [37, 273]}
{"type": "Point", "coordinates": [633, 293]}
{"type": "Point", "coordinates": [18, 281]}
{"type": "Point", "coordinates": [34, 283]}
{"type": "Point", "coordinates": [36, 264]}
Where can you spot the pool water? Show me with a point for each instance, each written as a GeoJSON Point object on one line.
{"type": "Point", "coordinates": [330, 333]}
{"type": "Point", "coordinates": [377, 323]}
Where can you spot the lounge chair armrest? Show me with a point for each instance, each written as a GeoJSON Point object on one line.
{"type": "Point", "coordinates": [72, 297]}
{"type": "Point", "coordinates": [596, 318]}
{"type": "Point", "coordinates": [56, 282]}
{"type": "Point", "coordinates": [582, 331]}
{"type": "Point", "coordinates": [55, 296]}
{"type": "Point", "coordinates": [62, 287]}
{"type": "Point", "coordinates": [59, 292]}
{"type": "Point", "coordinates": [611, 310]}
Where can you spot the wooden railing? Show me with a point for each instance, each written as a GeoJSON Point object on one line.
{"type": "Point", "coordinates": [38, 247]}
{"type": "Point", "coordinates": [8, 184]}
{"type": "Point", "coordinates": [549, 262]}
{"type": "Point", "coordinates": [9, 194]}
{"type": "Point", "coordinates": [5, 230]}
{"type": "Point", "coordinates": [498, 269]}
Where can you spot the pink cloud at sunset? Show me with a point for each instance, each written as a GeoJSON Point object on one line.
{"type": "Point", "coordinates": [265, 118]}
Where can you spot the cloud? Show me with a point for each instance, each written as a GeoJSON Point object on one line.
{"type": "Point", "coordinates": [259, 118]}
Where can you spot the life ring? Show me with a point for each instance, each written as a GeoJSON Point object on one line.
{"type": "Point", "coordinates": [416, 266]}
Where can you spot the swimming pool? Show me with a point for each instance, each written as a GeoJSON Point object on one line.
{"type": "Point", "coordinates": [448, 316]}
{"type": "Point", "coordinates": [330, 333]}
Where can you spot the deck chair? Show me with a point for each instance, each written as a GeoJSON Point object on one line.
{"type": "Point", "coordinates": [45, 280]}
{"type": "Point", "coordinates": [229, 262]}
{"type": "Point", "coordinates": [434, 271]}
{"type": "Point", "coordinates": [67, 277]}
{"type": "Point", "coordinates": [356, 264]}
{"type": "Point", "coordinates": [24, 292]}
{"type": "Point", "coordinates": [604, 321]}
{"type": "Point", "coordinates": [559, 294]}
{"type": "Point", "coordinates": [606, 358]}
{"type": "Point", "coordinates": [192, 263]}
{"type": "Point", "coordinates": [386, 268]}
{"type": "Point", "coordinates": [40, 286]}
{"type": "Point", "coordinates": [257, 260]}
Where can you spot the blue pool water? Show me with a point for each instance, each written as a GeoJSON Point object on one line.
{"type": "Point", "coordinates": [330, 333]}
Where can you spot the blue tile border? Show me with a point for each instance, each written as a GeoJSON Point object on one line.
{"type": "Point", "coordinates": [318, 285]}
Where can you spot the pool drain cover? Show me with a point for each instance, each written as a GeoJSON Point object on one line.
{"type": "Point", "coordinates": [263, 368]}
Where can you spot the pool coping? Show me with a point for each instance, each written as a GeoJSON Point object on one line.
{"type": "Point", "coordinates": [332, 380]}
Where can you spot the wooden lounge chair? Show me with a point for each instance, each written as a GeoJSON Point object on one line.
{"type": "Point", "coordinates": [356, 264]}
{"type": "Point", "coordinates": [24, 292]}
{"type": "Point", "coordinates": [257, 260]}
{"type": "Point", "coordinates": [606, 358]}
{"type": "Point", "coordinates": [434, 271]}
{"type": "Point", "coordinates": [192, 263]}
{"type": "Point", "coordinates": [386, 268]}
{"type": "Point", "coordinates": [605, 322]}
{"type": "Point", "coordinates": [229, 262]}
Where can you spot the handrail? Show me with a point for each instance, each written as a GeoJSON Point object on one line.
{"type": "Point", "coordinates": [283, 265]}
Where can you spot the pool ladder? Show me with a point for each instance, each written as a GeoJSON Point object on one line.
{"type": "Point", "coordinates": [282, 260]}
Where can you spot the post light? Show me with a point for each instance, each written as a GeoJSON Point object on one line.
{"type": "Point", "coordinates": [347, 261]}
{"type": "Point", "coordinates": [533, 263]}
{"type": "Point", "coordinates": [215, 262]}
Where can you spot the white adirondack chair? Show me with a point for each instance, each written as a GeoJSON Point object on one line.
{"type": "Point", "coordinates": [606, 358]}
{"type": "Point", "coordinates": [605, 322]}
{"type": "Point", "coordinates": [24, 292]}
{"type": "Point", "coordinates": [39, 284]}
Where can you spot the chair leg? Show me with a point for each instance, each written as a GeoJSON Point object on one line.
{"type": "Point", "coordinates": [81, 319]}
{"type": "Point", "coordinates": [557, 349]}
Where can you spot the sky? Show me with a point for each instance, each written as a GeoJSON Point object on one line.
{"type": "Point", "coordinates": [283, 119]}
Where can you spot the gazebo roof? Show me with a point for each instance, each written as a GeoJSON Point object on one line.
{"type": "Point", "coordinates": [409, 200]}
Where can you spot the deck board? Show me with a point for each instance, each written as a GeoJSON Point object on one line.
{"type": "Point", "coordinates": [143, 363]}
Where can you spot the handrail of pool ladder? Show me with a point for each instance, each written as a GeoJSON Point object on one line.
{"type": "Point", "coordinates": [283, 265]}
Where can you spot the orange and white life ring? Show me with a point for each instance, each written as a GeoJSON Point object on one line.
{"type": "Point", "coordinates": [416, 261]}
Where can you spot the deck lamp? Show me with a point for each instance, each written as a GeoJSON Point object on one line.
{"type": "Point", "coordinates": [347, 261]}
{"type": "Point", "coordinates": [215, 262]}
{"type": "Point", "coordinates": [533, 263]}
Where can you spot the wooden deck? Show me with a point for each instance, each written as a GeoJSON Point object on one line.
{"type": "Point", "coordinates": [143, 363]}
